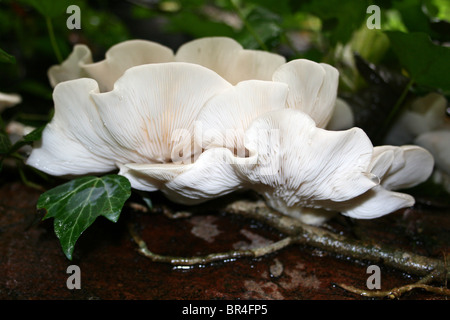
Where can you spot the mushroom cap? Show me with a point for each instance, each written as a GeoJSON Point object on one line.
{"type": "Point", "coordinates": [147, 118]}
{"type": "Point", "coordinates": [438, 143]}
{"type": "Point", "coordinates": [229, 59]}
{"type": "Point", "coordinates": [304, 165]}
{"type": "Point", "coordinates": [312, 88]}
{"type": "Point", "coordinates": [9, 100]}
{"type": "Point", "coordinates": [424, 114]}
{"type": "Point", "coordinates": [342, 117]}
{"type": "Point", "coordinates": [118, 59]}
{"type": "Point", "coordinates": [73, 67]}
{"type": "Point", "coordinates": [397, 168]}
{"type": "Point", "coordinates": [224, 56]}
{"type": "Point", "coordinates": [214, 118]}
{"type": "Point", "coordinates": [224, 119]}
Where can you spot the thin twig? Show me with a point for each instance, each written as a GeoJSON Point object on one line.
{"type": "Point", "coordinates": [299, 233]}
{"type": "Point", "coordinates": [202, 260]}
{"type": "Point", "coordinates": [320, 238]}
{"type": "Point", "coordinates": [395, 293]}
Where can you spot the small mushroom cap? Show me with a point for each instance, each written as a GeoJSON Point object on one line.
{"type": "Point", "coordinates": [118, 59]}
{"type": "Point", "coordinates": [377, 202]}
{"type": "Point", "coordinates": [423, 115]}
{"type": "Point", "coordinates": [9, 100]}
{"type": "Point", "coordinates": [312, 88]}
{"type": "Point", "coordinates": [403, 167]}
{"type": "Point", "coordinates": [397, 168]}
{"type": "Point", "coordinates": [229, 59]}
{"type": "Point", "coordinates": [124, 56]}
{"type": "Point", "coordinates": [71, 68]}
{"type": "Point", "coordinates": [438, 143]}
{"type": "Point", "coordinates": [342, 118]}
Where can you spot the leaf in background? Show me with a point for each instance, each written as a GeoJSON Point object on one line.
{"type": "Point", "coordinates": [49, 8]}
{"type": "Point", "coordinates": [198, 25]}
{"type": "Point", "coordinates": [76, 204]}
{"type": "Point", "coordinates": [339, 17]}
{"type": "Point", "coordinates": [265, 30]}
{"type": "Point", "coordinates": [6, 57]}
{"type": "Point", "coordinates": [282, 7]}
{"type": "Point", "coordinates": [413, 15]}
{"type": "Point", "coordinates": [371, 44]}
{"type": "Point", "coordinates": [428, 64]}
{"type": "Point", "coordinates": [417, 17]}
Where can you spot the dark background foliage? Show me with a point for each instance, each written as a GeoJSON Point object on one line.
{"type": "Point", "coordinates": [411, 43]}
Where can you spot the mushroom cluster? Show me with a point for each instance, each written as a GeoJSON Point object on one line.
{"type": "Point", "coordinates": [425, 122]}
{"type": "Point", "coordinates": [213, 118]}
{"type": "Point", "coordinates": [8, 100]}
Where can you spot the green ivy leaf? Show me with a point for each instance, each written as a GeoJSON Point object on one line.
{"type": "Point", "coordinates": [265, 25]}
{"type": "Point", "coordinates": [76, 204]}
{"type": "Point", "coordinates": [428, 64]}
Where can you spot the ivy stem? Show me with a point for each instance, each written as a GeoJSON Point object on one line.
{"type": "Point", "coordinates": [51, 34]}
{"type": "Point", "coordinates": [248, 26]}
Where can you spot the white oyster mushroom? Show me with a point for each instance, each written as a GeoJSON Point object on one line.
{"type": "Point", "coordinates": [301, 84]}
{"type": "Point", "coordinates": [212, 175]}
{"type": "Point", "coordinates": [342, 117]}
{"type": "Point", "coordinates": [215, 118]}
{"type": "Point", "coordinates": [92, 132]}
{"type": "Point", "coordinates": [222, 55]}
{"type": "Point", "coordinates": [312, 88]}
{"type": "Point", "coordinates": [9, 100]}
{"type": "Point", "coordinates": [14, 129]}
{"type": "Point", "coordinates": [135, 129]}
{"type": "Point", "coordinates": [118, 59]}
{"type": "Point", "coordinates": [229, 59]}
{"type": "Point", "coordinates": [123, 56]}
{"type": "Point", "coordinates": [225, 118]}
{"type": "Point", "coordinates": [397, 168]}
{"type": "Point", "coordinates": [438, 143]}
{"type": "Point", "coordinates": [301, 166]}
{"type": "Point", "coordinates": [425, 114]}
{"type": "Point", "coordinates": [72, 67]}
